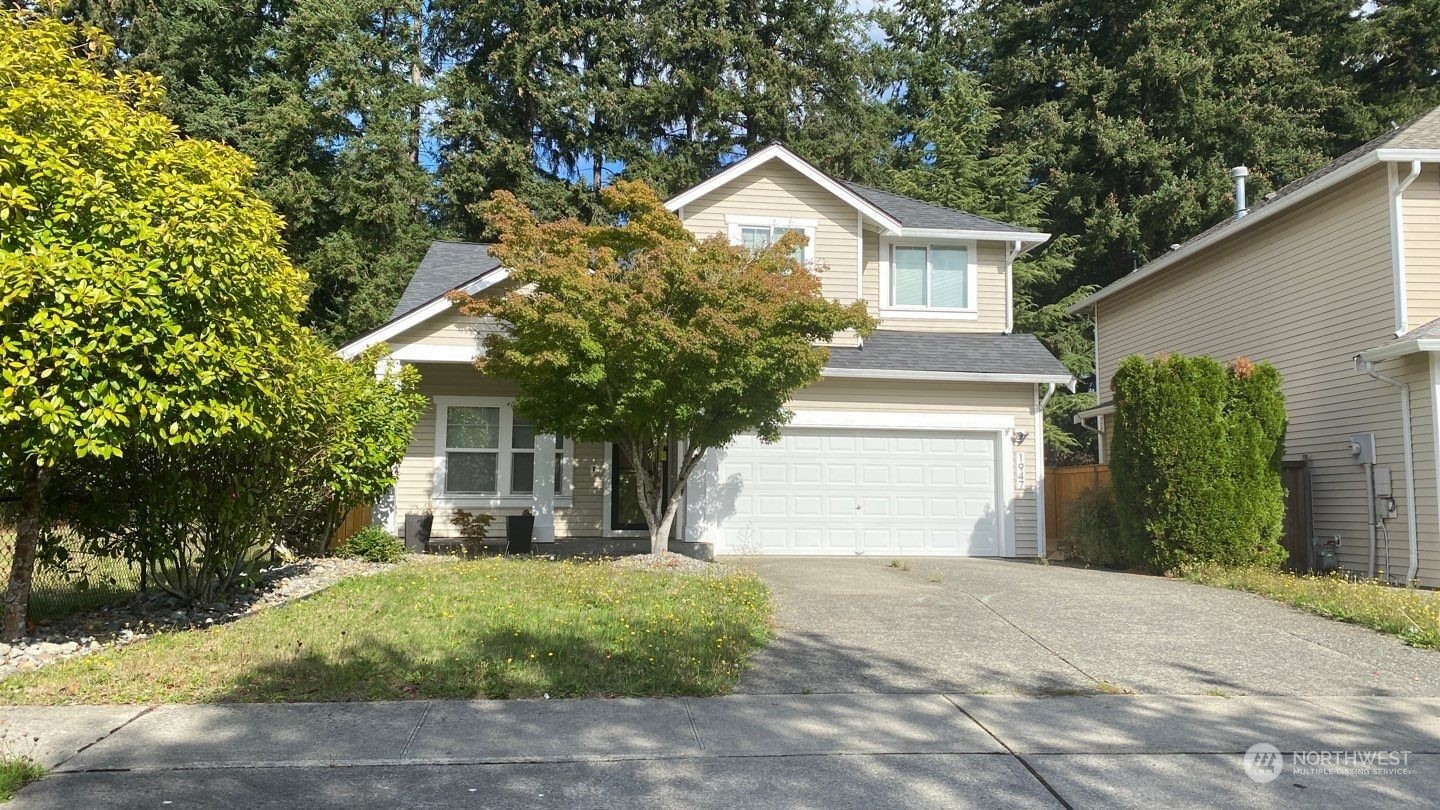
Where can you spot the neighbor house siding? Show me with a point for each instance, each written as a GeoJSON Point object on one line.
{"type": "Point", "coordinates": [1015, 400]}
{"type": "Point", "coordinates": [1422, 246]}
{"type": "Point", "coordinates": [414, 488]}
{"type": "Point", "coordinates": [1306, 291]}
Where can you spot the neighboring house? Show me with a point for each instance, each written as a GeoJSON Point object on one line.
{"type": "Point", "coordinates": [1335, 279]}
{"type": "Point", "coordinates": [924, 440]}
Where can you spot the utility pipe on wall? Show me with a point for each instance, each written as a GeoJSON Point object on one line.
{"type": "Point", "coordinates": [1367, 367]}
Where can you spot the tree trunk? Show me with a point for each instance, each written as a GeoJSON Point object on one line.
{"type": "Point", "coordinates": [27, 541]}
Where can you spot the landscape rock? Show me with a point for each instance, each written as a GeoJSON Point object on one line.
{"type": "Point", "coordinates": [152, 613]}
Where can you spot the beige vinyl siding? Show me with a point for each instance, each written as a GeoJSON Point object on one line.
{"type": "Point", "coordinates": [870, 286]}
{"type": "Point", "coordinates": [1422, 245]}
{"type": "Point", "coordinates": [990, 298]}
{"type": "Point", "coordinates": [1306, 291]}
{"type": "Point", "coordinates": [776, 190]}
{"type": "Point", "coordinates": [1015, 400]}
{"type": "Point", "coordinates": [414, 488]}
{"type": "Point", "coordinates": [449, 328]}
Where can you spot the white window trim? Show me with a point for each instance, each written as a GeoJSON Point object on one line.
{"type": "Point", "coordinates": [734, 222]}
{"type": "Point", "coordinates": [889, 310]}
{"type": "Point", "coordinates": [501, 499]}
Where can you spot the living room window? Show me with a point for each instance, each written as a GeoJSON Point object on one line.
{"type": "Point", "coordinates": [485, 450]}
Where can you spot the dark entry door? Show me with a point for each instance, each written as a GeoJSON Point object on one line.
{"type": "Point", "coordinates": [625, 511]}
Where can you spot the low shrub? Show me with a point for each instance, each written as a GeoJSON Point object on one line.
{"type": "Point", "coordinates": [374, 544]}
{"type": "Point", "coordinates": [1093, 537]}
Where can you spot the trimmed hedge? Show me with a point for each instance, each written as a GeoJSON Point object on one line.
{"type": "Point", "coordinates": [1195, 461]}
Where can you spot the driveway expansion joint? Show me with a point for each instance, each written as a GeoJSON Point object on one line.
{"type": "Point", "coordinates": [1012, 752]}
{"type": "Point", "coordinates": [415, 732]}
{"type": "Point", "coordinates": [107, 735]}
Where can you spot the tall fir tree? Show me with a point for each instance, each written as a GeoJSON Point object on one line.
{"type": "Point", "coordinates": [1138, 108]}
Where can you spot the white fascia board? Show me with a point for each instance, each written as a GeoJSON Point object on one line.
{"type": "Point", "coordinates": [900, 420]}
{"type": "Point", "coordinates": [421, 353]}
{"type": "Point", "coordinates": [773, 152]}
{"type": "Point", "coordinates": [1029, 239]}
{"type": "Point", "coordinates": [419, 316]}
{"type": "Point", "coordinates": [1407, 155]}
{"type": "Point", "coordinates": [1259, 215]}
{"type": "Point", "coordinates": [944, 376]}
{"type": "Point", "coordinates": [1091, 413]}
{"type": "Point", "coordinates": [1400, 348]}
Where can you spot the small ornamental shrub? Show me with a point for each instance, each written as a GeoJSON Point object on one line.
{"type": "Point", "coordinates": [1195, 461]}
{"type": "Point", "coordinates": [374, 544]}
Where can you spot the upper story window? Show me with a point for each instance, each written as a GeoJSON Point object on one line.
{"type": "Point", "coordinates": [927, 280]}
{"type": "Point", "coordinates": [758, 233]}
{"type": "Point", "coordinates": [485, 450]}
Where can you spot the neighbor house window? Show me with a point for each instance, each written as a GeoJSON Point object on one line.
{"type": "Point", "coordinates": [930, 276]}
{"type": "Point", "coordinates": [490, 451]}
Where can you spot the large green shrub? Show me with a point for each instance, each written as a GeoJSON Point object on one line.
{"type": "Point", "coordinates": [1195, 461]}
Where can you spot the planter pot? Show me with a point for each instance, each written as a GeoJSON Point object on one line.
{"type": "Point", "coordinates": [417, 531]}
{"type": "Point", "coordinates": [519, 534]}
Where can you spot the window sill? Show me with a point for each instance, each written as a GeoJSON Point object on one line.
{"type": "Point", "coordinates": [928, 313]}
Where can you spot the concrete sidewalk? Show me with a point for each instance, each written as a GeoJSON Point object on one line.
{"type": "Point", "coordinates": [841, 750]}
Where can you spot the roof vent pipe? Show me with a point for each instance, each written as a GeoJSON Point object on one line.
{"type": "Point", "coordinates": [1240, 173]}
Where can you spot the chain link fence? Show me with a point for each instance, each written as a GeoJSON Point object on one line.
{"type": "Point", "coordinates": [85, 581]}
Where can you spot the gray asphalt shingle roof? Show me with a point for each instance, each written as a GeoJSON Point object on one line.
{"type": "Point", "coordinates": [446, 266]}
{"type": "Point", "coordinates": [975, 353]}
{"type": "Point", "coordinates": [912, 213]}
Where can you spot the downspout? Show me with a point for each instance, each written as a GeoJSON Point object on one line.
{"type": "Point", "coordinates": [1367, 367]}
{"type": "Point", "coordinates": [1011, 253]}
{"type": "Point", "coordinates": [1397, 242]}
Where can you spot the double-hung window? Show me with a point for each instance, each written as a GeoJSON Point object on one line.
{"type": "Point", "coordinates": [484, 451]}
{"type": "Point", "coordinates": [759, 233]}
{"type": "Point", "coordinates": [932, 277]}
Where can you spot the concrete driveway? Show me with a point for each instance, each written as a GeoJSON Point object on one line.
{"type": "Point", "coordinates": [973, 626]}
{"type": "Point", "coordinates": [955, 683]}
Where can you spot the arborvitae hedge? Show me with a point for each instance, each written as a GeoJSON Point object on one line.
{"type": "Point", "coordinates": [1195, 461]}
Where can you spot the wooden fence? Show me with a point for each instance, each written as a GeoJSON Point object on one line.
{"type": "Point", "coordinates": [353, 521]}
{"type": "Point", "coordinates": [1062, 486]}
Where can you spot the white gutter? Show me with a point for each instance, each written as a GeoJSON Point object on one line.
{"type": "Point", "coordinates": [1031, 239]}
{"type": "Point", "coordinates": [944, 376]}
{"type": "Point", "coordinates": [1400, 348]}
{"type": "Point", "coordinates": [1397, 242]}
{"type": "Point", "coordinates": [1366, 367]}
{"type": "Point", "coordinates": [1011, 254]}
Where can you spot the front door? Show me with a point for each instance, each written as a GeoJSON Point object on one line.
{"type": "Point", "coordinates": [625, 514]}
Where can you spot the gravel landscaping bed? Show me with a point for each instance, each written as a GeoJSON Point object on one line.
{"type": "Point", "coordinates": [155, 612]}
{"type": "Point", "coordinates": [671, 563]}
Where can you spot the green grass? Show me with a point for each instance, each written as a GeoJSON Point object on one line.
{"type": "Point", "coordinates": [15, 773]}
{"type": "Point", "coordinates": [497, 628]}
{"type": "Point", "coordinates": [1412, 615]}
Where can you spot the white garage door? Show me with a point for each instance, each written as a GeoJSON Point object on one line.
{"type": "Point", "coordinates": [846, 491]}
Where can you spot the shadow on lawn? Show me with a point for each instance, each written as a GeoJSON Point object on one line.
{"type": "Point", "coordinates": [500, 663]}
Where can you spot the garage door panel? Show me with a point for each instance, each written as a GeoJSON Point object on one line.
{"type": "Point", "coordinates": [843, 491]}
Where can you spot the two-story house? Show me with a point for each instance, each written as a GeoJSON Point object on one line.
{"type": "Point", "coordinates": [1335, 279]}
{"type": "Point", "coordinates": [924, 439]}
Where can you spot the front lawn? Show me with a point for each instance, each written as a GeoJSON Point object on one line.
{"type": "Point", "coordinates": [1410, 614]}
{"type": "Point", "coordinates": [497, 628]}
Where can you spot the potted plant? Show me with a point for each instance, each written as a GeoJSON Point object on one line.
{"type": "Point", "coordinates": [519, 533]}
{"type": "Point", "coordinates": [417, 528]}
